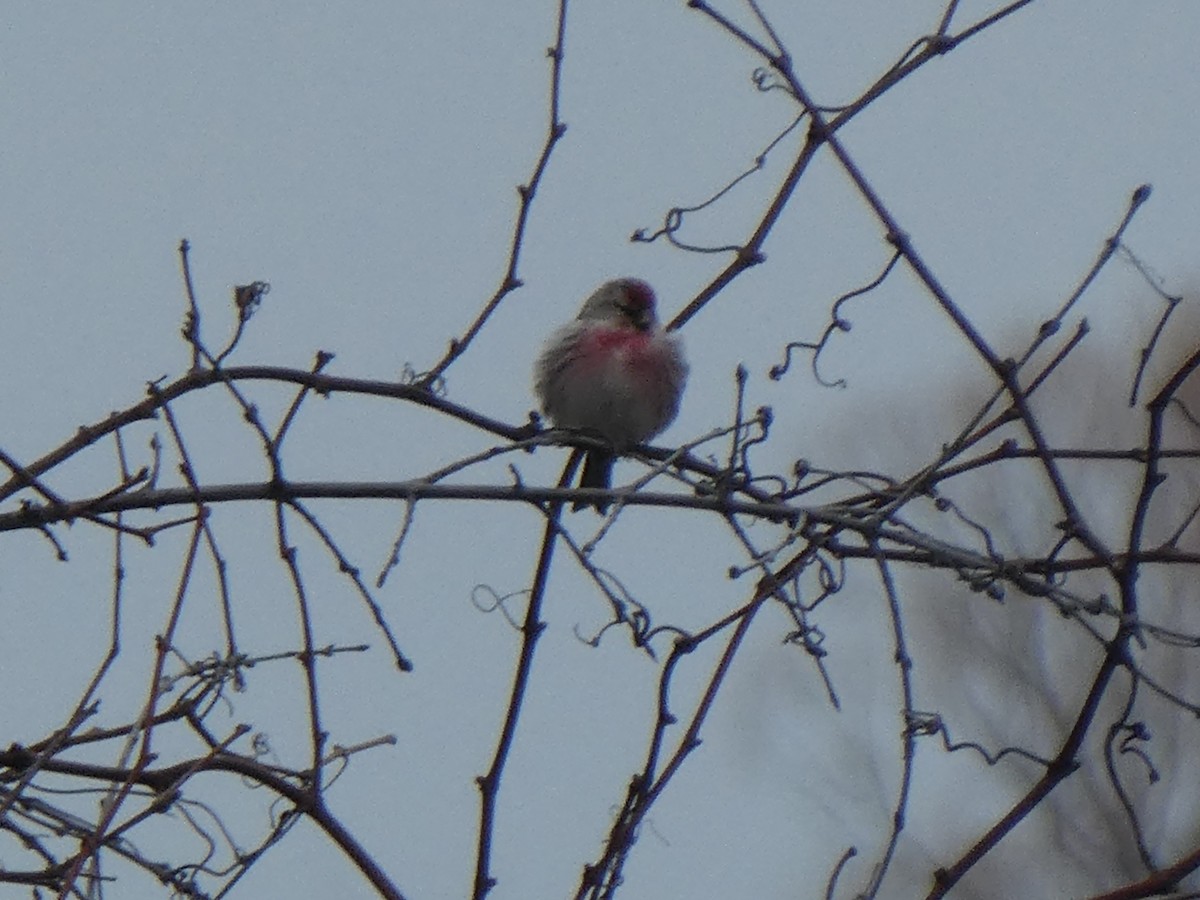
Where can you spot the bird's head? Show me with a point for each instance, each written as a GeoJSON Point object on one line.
{"type": "Point", "coordinates": [625, 300]}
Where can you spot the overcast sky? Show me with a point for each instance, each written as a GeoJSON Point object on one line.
{"type": "Point", "coordinates": [363, 158]}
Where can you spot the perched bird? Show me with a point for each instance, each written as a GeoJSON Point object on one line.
{"type": "Point", "coordinates": [612, 372]}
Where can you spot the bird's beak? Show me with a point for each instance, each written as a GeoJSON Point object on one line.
{"type": "Point", "coordinates": [640, 317]}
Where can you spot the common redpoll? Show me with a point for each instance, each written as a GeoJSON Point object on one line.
{"type": "Point", "coordinates": [613, 372]}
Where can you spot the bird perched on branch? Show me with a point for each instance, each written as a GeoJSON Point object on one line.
{"type": "Point", "coordinates": [612, 372]}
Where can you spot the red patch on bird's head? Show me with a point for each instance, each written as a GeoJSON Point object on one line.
{"type": "Point", "coordinates": [640, 294]}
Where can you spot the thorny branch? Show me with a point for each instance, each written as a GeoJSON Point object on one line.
{"type": "Point", "coordinates": [511, 280]}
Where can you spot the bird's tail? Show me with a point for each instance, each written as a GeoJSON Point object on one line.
{"type": "Point", "coordinates": [597, 473]}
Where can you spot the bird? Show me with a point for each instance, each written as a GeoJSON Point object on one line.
{"type": "Point", "coordinates": [612, 372]}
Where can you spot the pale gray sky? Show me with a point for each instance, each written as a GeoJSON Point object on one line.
{"type": "Point", "coordinates": [363, 159]}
